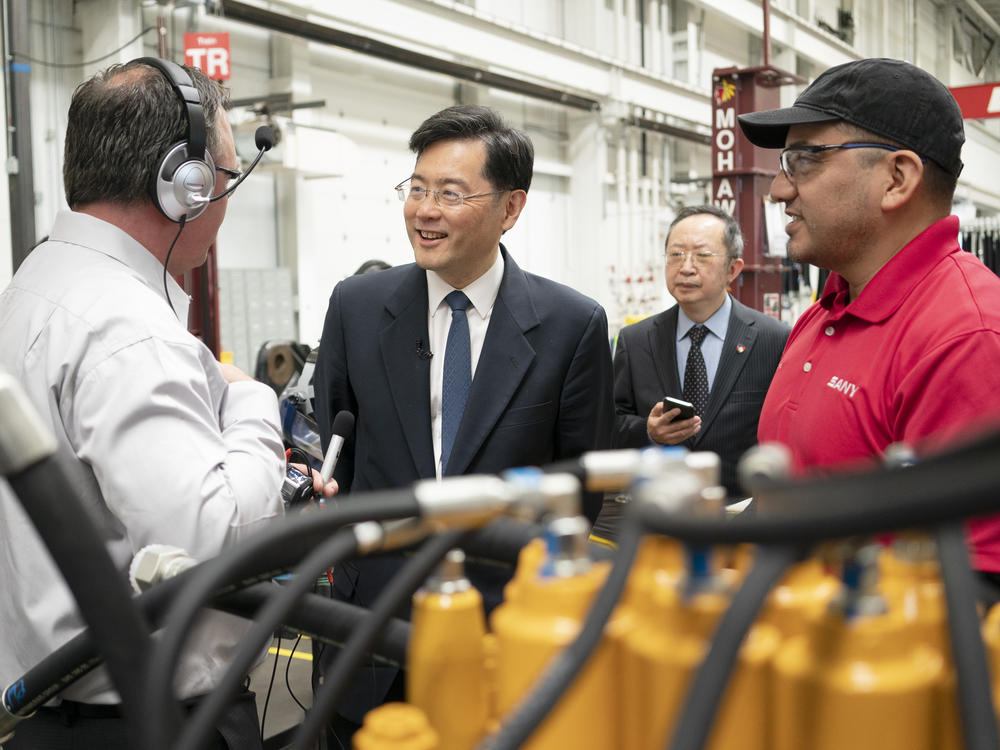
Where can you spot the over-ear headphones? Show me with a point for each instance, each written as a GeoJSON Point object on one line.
{"type": "Point", "coordinates": [183, 181]}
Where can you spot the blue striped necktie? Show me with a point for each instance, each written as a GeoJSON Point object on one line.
{"type": "Point", "coordinates": [457, 376]}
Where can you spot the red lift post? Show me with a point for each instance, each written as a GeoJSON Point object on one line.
{"type": "Point", "coordinates": [742, 174]}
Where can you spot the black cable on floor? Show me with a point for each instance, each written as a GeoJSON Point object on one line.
{"type": "Point", "coordinates": [709, 684]}
{"type": "Point", "coordinates": [288, 667]}
{"type": "Point", "coordinates": [979, 724]}
{"type": "Point", "coordinates": [270, 685]}
{"type": "Point", "coordinates": [390, 600]}
{"type": "Point", "coordinates": [536, 704]}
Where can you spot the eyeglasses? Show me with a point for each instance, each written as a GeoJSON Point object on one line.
{"type": "Point", "coordinates": [233, 175]}
{"type": "Point", "coordinates": [796, 158]}
{"type": "Point", "coordinates": [450, 198]}
{"type": "Point", "coordinates": [699, 258]}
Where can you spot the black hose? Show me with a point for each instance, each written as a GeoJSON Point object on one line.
{"type": "Point", "coordinates": [322, 619]}
{"type": "Point", "coordinates": [389, 601]}
{"type": "Point", "coordinates": [543, 696]}
{"type": "Point", "coordinates": [709, 683]}
{"type": "Point", "coordinates": [50, 498]}
{"type": "Point", "coordinates": [198, 730]}
{"type": "Point", "coordinates": [808, 511]}
{"type": "Point", "coordinates": [979, 727]}
{"type": "Point", "coordinates": [259, 557]}
{"type": "Point", "coordinates": [326, 620]}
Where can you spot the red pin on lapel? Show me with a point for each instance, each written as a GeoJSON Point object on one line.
{"type": "Point", "coordinates": [740, 348]}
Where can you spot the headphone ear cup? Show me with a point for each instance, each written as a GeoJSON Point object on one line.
{"type": "Point", "coordinates": [182, 186]}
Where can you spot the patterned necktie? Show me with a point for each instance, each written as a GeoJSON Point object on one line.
{"type": "Point", "coordinates": [695, 374]}
{"type": "Point", "coordinates": [457, 374]}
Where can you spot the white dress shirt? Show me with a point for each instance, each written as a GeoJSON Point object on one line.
{"type": "Point", "coordinates": [168, 452]}
{"type": "Point", "coordinates": [482, 293]}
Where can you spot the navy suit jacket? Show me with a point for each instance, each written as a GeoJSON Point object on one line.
{"type": "Point", "coordinates": [646, 370]}
{"type": "Point", "coordinates": [542, 392]}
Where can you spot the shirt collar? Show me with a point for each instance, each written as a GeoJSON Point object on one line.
{"type": "Point", "coordinates": [84, 230]}
{"type": "Point", "coordinates": [482, 292]}
{"type": "Point", "coordinates": [892, 283]}
{"type": "Point", "coordinates": [718, 324]}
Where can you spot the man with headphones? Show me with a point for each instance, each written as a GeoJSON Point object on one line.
{"type": "Point", "coordinates": [171, 447]}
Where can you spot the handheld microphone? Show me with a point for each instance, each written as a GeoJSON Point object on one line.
{"type": "Point", "coordinates": [263, 139]}
{"type": "Point", "coordinates": [343, 425]}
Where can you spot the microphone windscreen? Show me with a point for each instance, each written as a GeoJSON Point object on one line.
{"type": "Point", "coordinates": [343, 424]}
{"type": "Point", "coordinates": [263, 138]}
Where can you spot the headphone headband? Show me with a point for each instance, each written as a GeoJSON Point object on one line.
{"type": "Point", "coordinates": [187, 92]}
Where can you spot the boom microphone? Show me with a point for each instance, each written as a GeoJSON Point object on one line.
{"type": "Point", "coordinates": [343, 426]}
{"type": "Point", "coordinates": [263, 139]}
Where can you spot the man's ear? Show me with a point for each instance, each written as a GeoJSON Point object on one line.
{"type": "Point", "coordinates": [735, 266]}
{"type": "Point", "coordinates": [906, 174]}
{"type": "Point", "coordinates": [513, 205]}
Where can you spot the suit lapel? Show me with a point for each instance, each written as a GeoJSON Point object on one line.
{"type": "Point", "coordinates": [663, 348]}
{"type": "Point", "coordinates": [407, 372]}
{"type": "Point", "coordinates": [740, 337]}
{"type": "Point", "coordinates": [503, 363]}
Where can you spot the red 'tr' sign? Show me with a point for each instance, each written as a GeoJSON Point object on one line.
{"type": "Point", "coordinates": [209, 52]}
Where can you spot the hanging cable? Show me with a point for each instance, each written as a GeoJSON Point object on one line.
{"type": "Point", "coordinates": [166, 292]}
{"type": "Point", "coordinates": [112, 53]}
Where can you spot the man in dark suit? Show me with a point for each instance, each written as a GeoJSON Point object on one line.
{"type": "Point", "coordinates": [708, 349]}
{"type": "Point", "coordinates": [536, 365]}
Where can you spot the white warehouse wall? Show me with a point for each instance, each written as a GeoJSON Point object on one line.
{"type": "Point", "coordinates": [600, 200]}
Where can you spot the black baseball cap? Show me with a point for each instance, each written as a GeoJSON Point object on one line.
{"type": "Point", "coordinates": [890, 98]}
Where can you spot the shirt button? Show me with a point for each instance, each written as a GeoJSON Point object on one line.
{"type": "Point", "coordinates": [807, 366]}
{"type": "Point", "coordinates": [829, 331]}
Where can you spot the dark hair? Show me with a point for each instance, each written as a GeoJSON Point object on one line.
{"type": "Point", "coordinates": [370, 266]}
{"type": "Point", "coordinates": [121, 122]}
{"type": "Point", "coordinates": [510, 156]}
{"type": "Point", "coordinates": [732, 237]}
{"type": "Point", "coordinates": [939, 184]}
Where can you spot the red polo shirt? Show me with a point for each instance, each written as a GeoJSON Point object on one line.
{"type": "Point", "coordinates": [915, 358]}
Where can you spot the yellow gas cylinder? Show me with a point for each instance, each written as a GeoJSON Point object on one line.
{"type": "Point", "coordinates": [446, 676]}
{"type": "Point", "coordinates": [543, 618]}
{"type": "Point", "coordinates": [910, 579]}
{"type": "Point", "coordinates": [490, 650]}
{"type": "Point", "coordinates": [395, 726]}
{"type": "Point", "coordinates": [651, 585]}
{"type": "Point", "coordinates": [991, 638]}
{"type": "Point", "coordinates": [860, 677]}
{"type": "Point", "coordinates": [735, 562]}
{"type": "Point", "coordinates": [529, 560]}
{"type": "Point", "coordinates": [803, 593]}
{"type": "Point", "coordinates": [661, 656]}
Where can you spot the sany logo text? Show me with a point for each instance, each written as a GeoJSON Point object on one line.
{"type": "Point", "coordinates": [839, 384]}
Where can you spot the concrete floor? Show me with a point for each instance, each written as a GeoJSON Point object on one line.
{"type": "Point", "coordinates": [282, 711]}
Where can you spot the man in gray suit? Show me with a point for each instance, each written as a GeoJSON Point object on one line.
{"type": "Point", "coordinates": [708, 349]}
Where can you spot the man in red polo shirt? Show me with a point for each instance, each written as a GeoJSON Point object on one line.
{"type": "Point", "coordinates": [904, 342]}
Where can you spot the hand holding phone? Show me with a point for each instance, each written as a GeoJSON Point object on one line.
{"type": "Point", "coordinates": [686, 407]}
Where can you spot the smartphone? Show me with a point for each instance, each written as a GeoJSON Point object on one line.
{"type": "Point", "coordinates": [687, 409]}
